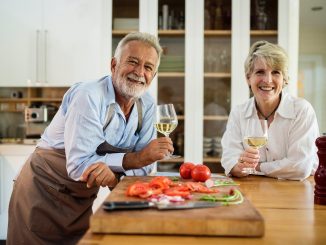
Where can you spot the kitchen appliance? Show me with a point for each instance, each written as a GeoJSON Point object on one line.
{"type": "Point", "coordinates": [36, 114]}
{"type": "Point", "coordinates": [37, 119]}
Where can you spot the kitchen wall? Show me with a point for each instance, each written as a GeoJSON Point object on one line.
{"type": "Point", "coordinates": [312, 58]}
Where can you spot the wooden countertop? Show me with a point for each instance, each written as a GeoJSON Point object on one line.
{"type": "Point", "coordinates": [287, 207]}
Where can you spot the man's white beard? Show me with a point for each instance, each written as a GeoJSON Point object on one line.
{"type": "Point", "coordinates": [131, 89]}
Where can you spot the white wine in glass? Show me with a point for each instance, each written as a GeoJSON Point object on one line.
{"type": "Point", "coordinates": [256, 136]}
{"type": "Point", "coordinates": [166, 121]}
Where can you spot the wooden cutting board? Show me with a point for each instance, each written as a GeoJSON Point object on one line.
{"type": "Point", "coordinates": [232, 220]}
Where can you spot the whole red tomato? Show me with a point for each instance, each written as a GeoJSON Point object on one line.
{"type": "Point", "coordinates": [185, 170]}
{"type": "Point", "coordinates": [201, 173]}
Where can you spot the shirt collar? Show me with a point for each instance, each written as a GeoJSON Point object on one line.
{"type": "Point", "coordinates": [285, 109]}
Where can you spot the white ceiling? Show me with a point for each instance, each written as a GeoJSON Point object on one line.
{"type": "Point", "coordinates": [313, 19]}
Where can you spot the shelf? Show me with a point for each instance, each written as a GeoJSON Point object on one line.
{"type": "Point", "coordinates": [45, 99]}
{"type": "Point", "coordinates": [121, 32]}
{"type": "Point", "coordinates": [171, 74]}
{"type": "Point", "coordinates": [160, 32]}
{"type": "Point", "coordinates": [181, 117]}
{"type": "Point", "coordinates": [215, 118]}
{"type": "Point", "coordinates": [177, 160]}
{"type": "Point", "coordinates": [9, 100]}
{"type": "Point", "coordinates": [217, 75]}
{"type": "Point", "coordinates": [212, 159]}
{"type": "Point", "coordinates": [215, 33]}
{"type": "Point", "coordinates": [181, 160]}
{"type": "Point", "coordinates": [263, 33]}
{"type": "Point", "coordinates": [171, 32]}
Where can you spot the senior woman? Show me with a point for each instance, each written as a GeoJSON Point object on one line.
{"type": "Point", "coordinates": [290, 152]}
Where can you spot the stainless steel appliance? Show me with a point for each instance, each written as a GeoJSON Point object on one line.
{"type": "Point", "coordinates": [36, 114]}
{"type": "Point", "coordinates": [37, 119]}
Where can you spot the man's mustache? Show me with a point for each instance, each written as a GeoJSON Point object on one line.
{"type": "Point", "coordinates": [137, 78]}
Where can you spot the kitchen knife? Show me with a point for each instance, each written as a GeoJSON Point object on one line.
{"type": "Point", "coordinates": [129, 205]}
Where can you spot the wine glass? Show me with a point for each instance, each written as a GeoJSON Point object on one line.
{"type": "Point", "coordinates": [256, 136]}
{"type": "Point", "coordinates": [166, 121]}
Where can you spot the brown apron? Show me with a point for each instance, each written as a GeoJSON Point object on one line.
{"type": "Point", "coordinates": [46, 205]}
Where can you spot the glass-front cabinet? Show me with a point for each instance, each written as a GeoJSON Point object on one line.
{"type": "Point", "coordinates": [217, 77]}
{"type": "Point", "coordinates": [263, 20]}
{"type": "Point", "coordinates": [205, 43]}
{"type": "Point", "coordinates": [171, 73]}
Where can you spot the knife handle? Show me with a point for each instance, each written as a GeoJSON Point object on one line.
{"type": "Point", "coordinates": [123, 205]}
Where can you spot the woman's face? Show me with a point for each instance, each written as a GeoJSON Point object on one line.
{"type": "Point", "coordinates": [266, 83]}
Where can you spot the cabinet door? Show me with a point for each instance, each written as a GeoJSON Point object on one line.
{"type": "Point", "coordinates": [20, 23]}
{"type": "Point", "coordinates": [75, 39]}
{"type": "Point", "coordinates": [9, 168]}
{"type": "Point", "coordinates": [217, 78]}
{"type": "Point", "coordinates": [171, 72]}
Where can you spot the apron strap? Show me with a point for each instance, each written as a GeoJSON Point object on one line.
{"type": "Point", "coordinates": [140, 115]}
{"type": "Point", "coordinates": [110, 113]}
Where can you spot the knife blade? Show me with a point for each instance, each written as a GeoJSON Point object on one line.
{"type": "Point", "coordinates": [129, 205]}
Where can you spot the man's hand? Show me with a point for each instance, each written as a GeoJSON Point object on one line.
{"type": "Point", "coordinates": [156, 150]}
{"type": "Point", "coordinates": [99, 174]}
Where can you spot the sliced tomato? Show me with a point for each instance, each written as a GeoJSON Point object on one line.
{"type": "Point", "coordinates": [160, 182]}
{"type": "Point", "coordinates": [151, 192]}
{"type": "Point", "coordinates": [199, 187]}
{"type": "Point", "coordinates": [177, 191]}
{"type": "Point", "coordinates": [138, 188]}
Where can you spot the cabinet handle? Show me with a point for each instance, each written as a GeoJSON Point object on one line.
{"type": "Point", "coordinates": [45, 55]}
{"type": "Point", "coordinates": [37, 55]}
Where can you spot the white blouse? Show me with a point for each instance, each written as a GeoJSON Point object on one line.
{"type": "Point", "coordinates": [290, 153]}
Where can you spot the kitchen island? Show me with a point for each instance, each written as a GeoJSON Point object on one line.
{"type": "Point", "coordinates": [286, 206]}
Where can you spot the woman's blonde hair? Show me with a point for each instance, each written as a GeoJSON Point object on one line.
{"type": "Point", "coordinates": [142, 37]}
{"type": "Point", "coordinates": [274, 55]}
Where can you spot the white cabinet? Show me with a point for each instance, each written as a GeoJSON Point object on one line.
{"type": "Point", "coordinates": [12, 158]}
{"type": "Point", "coordinates": [53, 43]}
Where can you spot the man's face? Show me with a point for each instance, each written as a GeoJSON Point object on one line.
{"type": "Point", "coordinates": [134, 72]}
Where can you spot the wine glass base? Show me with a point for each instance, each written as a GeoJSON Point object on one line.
{"type": "Point", "coordinates": [171, 157]}
{"type": "Point", "coordinates": [249, 171]}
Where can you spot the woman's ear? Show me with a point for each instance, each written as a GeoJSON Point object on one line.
{"type": "Point", "coordinates": [248, 79]}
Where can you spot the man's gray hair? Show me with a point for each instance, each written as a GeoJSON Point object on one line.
{"type": "Point", "coordinates": [142, 37]}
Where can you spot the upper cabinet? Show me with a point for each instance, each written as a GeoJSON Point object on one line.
{"type": "Point", "coordinates": [171, 73]}
{"type": "Point", "coordinates": [53, 43]}
{"type": "Point", "coordinates": [217, 76]}
{"type": "Point", "coordinates": [263, 20]}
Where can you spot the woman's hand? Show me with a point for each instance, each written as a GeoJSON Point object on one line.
{"type": "Point", "coordinates": [248, 159]}
{"type": "Point", "coordinates": [99, 174]}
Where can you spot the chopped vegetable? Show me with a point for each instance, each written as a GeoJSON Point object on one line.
{"type": "Point", "coordinates": [220, 182]}
{"type": "Point", "coordinates": [234, 197]}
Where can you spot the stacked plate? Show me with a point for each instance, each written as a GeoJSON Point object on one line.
{"type": "Point", "coordinates": [212, 146]}
{"type": "Point", "coordinates": [171, 63]}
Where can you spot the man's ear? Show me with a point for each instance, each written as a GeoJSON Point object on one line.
{"type": "Point", "coordinates": [113, 64]}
